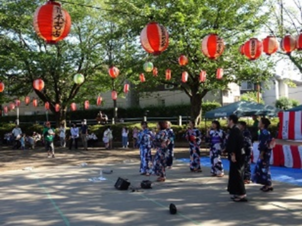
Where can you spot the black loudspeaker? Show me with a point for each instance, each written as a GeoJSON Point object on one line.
{"type": "Point", "coordinates": [146, 184]}
{"type": "Point", "coordinates": [122, 184]}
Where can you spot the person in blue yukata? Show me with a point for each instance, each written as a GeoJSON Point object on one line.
{"type": "Point", "coordinates": [262, 174]}
{"type": "Point", "coordinates": [193, 136]}
{"type": "Point", "coordinates": [161, 143]}
{"type": "Point", "coordinates": [170, 146]}
{"type": "Point", "coordinates": [145, 144]}
{"type": "Point", "coordinates": [216, 138]}
{"type": "Point", "coordinates": [248, 146]}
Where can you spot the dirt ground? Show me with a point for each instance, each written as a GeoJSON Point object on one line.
{"type": "Point", "coordinates": [18, 159]}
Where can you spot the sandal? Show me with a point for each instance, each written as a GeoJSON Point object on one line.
{"type": "Point", "coordinates": [161, 179]}
{"type": "Point", "coordinates": [238, 199]}
{"type": "Point", "coordinates": [267, 189]}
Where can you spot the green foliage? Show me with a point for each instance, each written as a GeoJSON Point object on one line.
{"type": "Point", "coordinates": [252, 97]}
{"type": "Point", "coordinates": [285, 103]}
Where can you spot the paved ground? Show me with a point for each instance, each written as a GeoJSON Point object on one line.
{"type": "Point", "coordinates": [62, 195]}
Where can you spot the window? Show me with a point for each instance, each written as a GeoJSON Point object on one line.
{"type": "Point", "coordinates": [247, 86]}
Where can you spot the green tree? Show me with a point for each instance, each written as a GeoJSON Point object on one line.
{"type": "Point", "coordinates": [252, 97]}
{"type": "Point", "coordinates": [88, 49]}
{"type": "Point", "coordinates": [188, 22]}
{"type": "Point", "coordinates": [285, 103]}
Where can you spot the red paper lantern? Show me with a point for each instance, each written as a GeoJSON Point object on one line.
{"type": "Point", "coordinates": [86, 104]}
{"type": "Point", "coordinates": [142, 77]}
{"type": "Point", "coordinates": [114, 95]}
{"type": "Point", "coordinates": [219, 73]}
{"type": "Point", "coordinates": [288, 44]}
{"type": "Point", "coordinates": [126, 88]}
{"type": "Point", "coordinates": [2, 86]}
{"type": "Point", "coordinates": [35, 102]}
{"type": "Point", "coordinates": [17, 103]}
{"type": "Point", "coordinates": [46, 106]}
{"type": "Point", "coordinates": [114, 72]}
{"type": "Point", "coordinates": [154, 38]}
{"type": "Point", "coordinates": [183, 60]}
{"type": "Point", "coordinates": [51, 22]}
{"type": "Point", "coordinates": [270, 45]}
{"type": "Point", "coordinates": [168, 74]}
{"type": "Point", "coordinates": [299, 42]}
{"type": "Point", "coordinates": [202, 76]}
{"type": "Point", "coordinates": [12, 106]}
{"type": "Point", "coordinates": [155, 72]}
{"type": "Point", "coordinates": [184, 77]}
{"type": "Point", "coordinates": [99, 101]}
{"type": "Point", "coordinates": [241, 49]}
{"type": "Point", "coordinates": [5, 109]}
{"type": "Point", "coordinates": [38, 84]}
{"type": "Point", "coordinates": [27, 100]}
{"type": "Point", "coordinates": [73, 106]}
{"type": "Point", "coordinates": [212, 46]}
{"type": "Point", "coordinates": [57, 107]}
{"type": "Point", "coordinates": [253, 49]}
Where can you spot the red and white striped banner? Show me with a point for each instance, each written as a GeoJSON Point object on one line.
{"type": "Point", "coordinates": [290, 127]}
{"type": "Point", "coordinates": [282, 155]}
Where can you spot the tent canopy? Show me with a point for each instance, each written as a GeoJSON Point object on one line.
{"type": "Point", "coordinates": [298, 108]}
{"type": "Point", "coordinates": [242, 108]}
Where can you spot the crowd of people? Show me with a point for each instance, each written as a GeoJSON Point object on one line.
{"type": "Point", "coordinates": [236, 144]}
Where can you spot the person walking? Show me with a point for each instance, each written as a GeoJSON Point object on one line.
{"type": "Point", "coordinates": [262, 174]}
{"type": "Point", "coordinates": [145, 144]}
{"type": "Point", "coordinates": [16, 135]}
{"type": "Point", "coordinates": [193, 136]}
{"type": "Point", "coordinates": [161, 143]}
{"type": "Point", "coordinates": [62, 134]}
{"type": "Point", "coordinates": [84, 134]}
{"type": "Point", "coordinates": [235, 150]}
{"type": "Point", "coordinates": [125, 132]}
{"type": "Point", "coordinates": [74, 132]}
{"type": "Point", "coordinates": [107, 138]}
{"type": "Point", "coordinates": [248, 147]}
{"type": "Point", "coordinates": [170, 146]}
{"type": "Point", "coordinates": [216, 138]}
{"type": "Point", "coordinates": [49, 134]}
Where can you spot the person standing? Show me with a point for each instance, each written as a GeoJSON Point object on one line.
{"type": "Point", "coordinates": [16, 135]}
{"type": "Point", "coordinates": [193, 135]}
{"type": "Point", "coordinates": [216, 138]}
{"type": "Point", "coordinates": [170, 146]}
{"type": "Point", "coordinates": [145, 144]}
{"type": "Point", "coordinates": [235, 150]}
{"type": "Point", "coordinates": [161, 143]}
{"type": "Point", "coordinates": [107, 138]}
{"type": "Point", "coordinates": [74, 132]}
{"type": "Point", "coordinates": [49, 134]}
{"type": "Point", "coordinates": [84, 133]}
{"type": "Point", "coordinates": [62, 134]}
{"type": "Point", "coordinates": [125, 132]}
{"type": "Point", "coordinates": [248, 147]}
{"type": "Point", "coordinates": [134, 135]}
{"type": "Point", "coordinates": [262, 174]}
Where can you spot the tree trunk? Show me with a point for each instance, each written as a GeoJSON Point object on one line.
{"type": "Point", "coordinates": [60, 117]}
{"type": "Point", "coordinates": [196, 101]}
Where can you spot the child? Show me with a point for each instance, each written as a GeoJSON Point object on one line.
{"type": "Point", "coordinates": [22, 141]}
{"type": "Point", "coordinates": [125, 132]}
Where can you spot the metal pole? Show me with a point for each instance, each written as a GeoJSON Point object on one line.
{"type": "Point", "coordinates": [46, 112]}
{"type": "Point", "coordinates": [17, 121]}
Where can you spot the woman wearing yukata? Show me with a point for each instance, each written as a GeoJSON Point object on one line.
{"type": "Point", "coordinates": [193, 135]}
{"type": "Point", "coordinates": [145, 144]}
{"type": "Point", "coordinates": [170, 146]}
{"type": "Point", "coordinates": [262, 174]}
{"type": "Point", "coordinates": [161, 144]}
{"type": "Point", "coordinates": [216, 138]}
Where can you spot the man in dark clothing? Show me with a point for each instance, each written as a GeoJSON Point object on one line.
{"type": "Point", "coordinates": [235, 150]}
